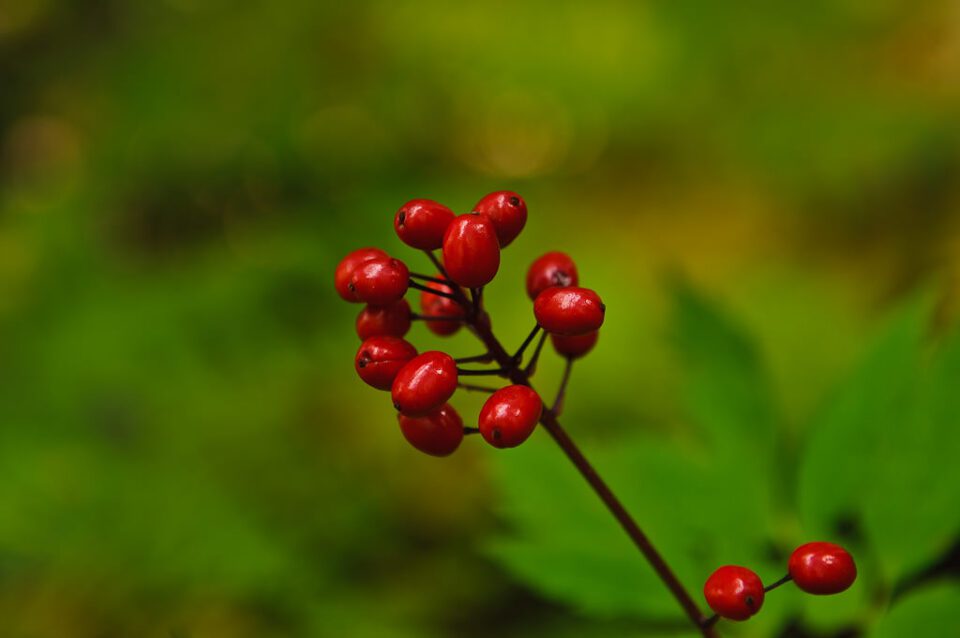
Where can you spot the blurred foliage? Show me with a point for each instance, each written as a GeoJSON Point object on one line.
{"type": "Point", "coordinates": [186, 451]}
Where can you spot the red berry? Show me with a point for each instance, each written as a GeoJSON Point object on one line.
{"type": "Point", "coordinates": [421, 223]}
{"type": "Point", "coordinates": [734, 592]}
{"type": "Point", "coordinates": [436, 306]}
{"type": "Point", "coordinates": [350, 263]}
{"type": "Point", "coordinates": [379, 359]}
{"type": "Point", "coordinates": [574, 346]}
{"type": "Point", "coordinates": [425, 383]}
{"type": "Point", "coordinates": [471, 251]}
{"type": "Point", "coordinates": [569, 311]}
{"type": "Point", "coordinates": [389, 321]}
{"type": "Point", "coordinates": [822, 568]}
{"type": "Point", "coordinates": [437, 433]}
{"type": "Point", "coordinates": [510, 415]}
{"type": "Point", "coordinates": [507, 211]}
{"type": "Point", "coordinates": [552, 269]}
{"type": "Point", "coordinates": [380, 281]}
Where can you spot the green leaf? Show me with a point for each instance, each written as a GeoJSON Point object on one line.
{"type": "Point", "coordinates": [728, 393]}
{"type": "Point", "coordinates": [880, 452]}
{"type": "Point", "coordinates": [931, 611]}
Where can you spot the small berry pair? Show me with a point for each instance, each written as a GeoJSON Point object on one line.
{"type": "Point", "coordinates": [820, 568]}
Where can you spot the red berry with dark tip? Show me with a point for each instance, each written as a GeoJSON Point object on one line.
{"type": "Point", "coordinates": [437, 433]}
{"type": "Point", "coordinates": [822, 568]}
{"type": "Point", "coordinates": [574, 346]}
{"type": "Point", "coordinates": [348, 265]}
{"type": "Point", "coordinates": [507, 211]}
{"type": "Point", "coordinates": [421, 223]}
{"type": "Point", "coordinates": [436, 306]}
{"type": "Point", "coordinates": [510, 415]}
{"type": "Point", "coordinates": [380, 282]}
{"type": "Point", "coordinates": [734, 592]}
{"type": "Point", "coordinates": [569, 311]}
{"type": "Point", "coordinates": [424, 383]}
{"type": "Point", "coordinates": [471, 251]}
{"type": "Point", "coordinates": [552, 269]}
{"type": "Point", "coordinates": [392, 320]}
{"type": "Point", "coordinates": [379, 359]}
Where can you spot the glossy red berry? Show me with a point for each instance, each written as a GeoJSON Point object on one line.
{"type": "Point", "coordinates": [425, 383]}
{"type": "Point", "coordinates": [348, 265]}
{"type": "Point", "coordinates": [734, 592]}
{"type": "Point", "coordinates": [437, 433]}
{"type": "Point", "coordinates": [380, 281]}
{"type": "Point", "coordinates": [379, 359]}
{"type": "Point", "coordinates": [471, 251]}
{"type": "Point", "coordinates": [507, 211]}
{"type": "Point", "coordinates": [569, 311]}
{"type": "Point", "coordinates": [574, 346]}
{"type": "Point", "coordinates": [552, 269]}
{"type": "Point", "coordinates": [822, 568]}
{"type": "Point", "coordinates": [510, 415]}
{"type": "Point", "coordinates": [392, 320]}
{"type": "Point", "coordinates": [421, 223]}
{"type": "Point", "coordinates": [436, 306]}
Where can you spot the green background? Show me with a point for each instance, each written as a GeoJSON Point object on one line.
{"type": "Point", "coordinates": [766, 195]}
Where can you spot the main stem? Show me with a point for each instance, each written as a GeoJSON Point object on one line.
{"type": "Point", "coordinates": [517, 375]}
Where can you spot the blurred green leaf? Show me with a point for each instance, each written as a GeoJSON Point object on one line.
{"type": "Point", "coordinates": [881, 452]}
{"type": "Point", "coordinates": [930, 612]}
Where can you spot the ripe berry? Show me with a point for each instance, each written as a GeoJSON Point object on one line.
{"type": "Point", "coordinates": [380, 281]}
{"type": "Point", "coordinates": [507, 211]}
{"type": "Point", "coordinates": [421, 223]}
{"type": "Point", "coordinates": [436, 306]}
{"type": "Point", "coordinates": [392, 320]}
{"type": "Point", "coordinates": [510, 415]}
{"type": "Point", "coordinates": [734, 592]}
{"type": "Point", "coordinates": [822, 568]}
{"type": "Point", "coordinates": [350, 263]}
{"type": "Point", "coordinates": [425, 383]}
{"type": "Point", "coordinates": [569, 311]}
{"type": "Point", "coordinates": [574, 346]}
{"type": "Point", "coordinates": [438, 433]}
{"type": "Point", "coordinates": [552, 269]}
{"type": "Point", "coordinates": [471, 251]}
{"type": "Point", "coordinates": [379, 359]}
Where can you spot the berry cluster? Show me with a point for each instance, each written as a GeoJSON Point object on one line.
{"type": "Point", "coordinates": [422, 384]}
{"type": "Point", "coordinates": [736, 593]}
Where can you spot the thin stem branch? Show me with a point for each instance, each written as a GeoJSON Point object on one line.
{"type": "Point", "coordinates": [496, 372]}
{"type": "Point", "coordinates": [476, 294]}
{"type": "Point", "coordinates": [436, 264]}
{"type": "Point", "coordinates": [562, 390]}
{"type": "Point", "coordinates": [477, 388]}
{"type": "Point", "coordinates": [418, 317]}
{"type": "Point", "coordinates": [468, 431]}
{"type": "Point", "coordinates": [531, 368]}
{"type": "Point", "coordinates": [436, 280]}
{"type": "Point", "coordinates": [433, 291]}
{"type": "Point", "coordinates": [786, 579]}
{"type": "Point", "coordinates": [518, 356]}
{"type": "Point", "coordinates": [549, 421]}
{"type": "Point", "coordinates": [480, 358]}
